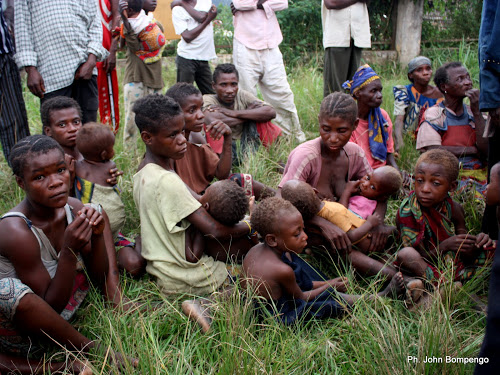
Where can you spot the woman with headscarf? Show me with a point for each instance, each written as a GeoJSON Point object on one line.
{"type": "Point", "coordinates": [374, 131]}
{"type": "Point", "coordinates": [411, 101]}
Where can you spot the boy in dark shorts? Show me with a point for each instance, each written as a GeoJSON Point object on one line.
{"type": "Point", "coordinates": [275, 272]}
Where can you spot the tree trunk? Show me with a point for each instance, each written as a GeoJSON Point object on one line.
{"type": "Point", "coordinates": [409, 29]}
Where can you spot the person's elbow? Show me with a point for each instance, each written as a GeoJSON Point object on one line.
{"type": "Point", "coordinates": [270, 112]}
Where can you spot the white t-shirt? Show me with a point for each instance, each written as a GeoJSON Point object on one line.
{"type": "Point", "coordinates": [141, 21]}
{"type": "Point", "coordinates": [339, 26]}
{"type": "Point", "coordinates": [202, 47]}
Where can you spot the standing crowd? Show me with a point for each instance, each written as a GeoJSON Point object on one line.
{"type": "Point", "coordinates": [198, 236]}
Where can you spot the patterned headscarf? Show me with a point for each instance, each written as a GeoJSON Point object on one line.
{"type": "Point", "coordinates": [418, 61]}
{"type": "Point", "coordinates": [377, 129]}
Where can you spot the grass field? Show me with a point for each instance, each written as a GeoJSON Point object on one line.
{"type": "Point", "coordinates": [375, 338]}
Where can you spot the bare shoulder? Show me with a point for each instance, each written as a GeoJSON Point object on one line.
{"type": "Point", "coordinates": [75, 204]}
{"type": "Point", "coordinates": [16, 236]}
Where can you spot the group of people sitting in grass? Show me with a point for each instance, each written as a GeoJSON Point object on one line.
{"type": "Point", "coordinates": [61, 238]}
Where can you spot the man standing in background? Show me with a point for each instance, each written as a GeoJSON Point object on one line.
{"type": "Point", "coordinates": [258, 59]}
{"type": "Point", "coordinates": [346, 30]}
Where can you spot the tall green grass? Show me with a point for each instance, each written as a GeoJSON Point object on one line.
{"type": "Point", "coordinates": [374, 338]}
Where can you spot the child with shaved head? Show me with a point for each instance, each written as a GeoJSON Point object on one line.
{"type": "Point", "coordinates": [291, 286]}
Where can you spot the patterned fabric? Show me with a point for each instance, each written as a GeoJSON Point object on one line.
{"type": "Point", "coordinates": [411, 104]}
{"type": "Point", "coordinates": [421, 228]}
{"type": "Point", "coordinates": [43, 40]}
{"type": "Point", "coordinates": [376, 122]}
{"type": "Point", "coordinates": [245, 181]}
{"type": "Point", "coordinates": [152, 42]}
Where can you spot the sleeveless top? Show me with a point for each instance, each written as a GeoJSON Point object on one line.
{"type": "Point", "coordinates": [48, 254]}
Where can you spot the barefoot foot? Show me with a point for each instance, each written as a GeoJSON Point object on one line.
{"type": "Point", "coordinates": [396, 288]}
{"type": "Point", "coordinates": [414, 289]}
{"type": "Point", "coordinates": [198, 310]}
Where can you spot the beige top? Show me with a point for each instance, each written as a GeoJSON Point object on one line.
{"type": "Point", "coordinates": [339, 26]}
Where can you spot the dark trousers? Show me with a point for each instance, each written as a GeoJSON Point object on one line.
{"type": "Point", "coordinates": [340, 65]}
{"type": "Point", "coordinates": [13, 117]}
{"type": "Point", "coordinates": [84, 92]}
{"type": "Point", "coordinates": [195, 71]}
{"type": "Point", "coordinates": [490, 222]}
{"type": "Point", "coordinates": [491, 342]}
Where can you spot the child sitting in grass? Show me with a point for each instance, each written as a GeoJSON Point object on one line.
{"type": "Point", "coordinates": [171, 218]}
{"type": "Point", "coordinates": [201, 164]}
{"type": "Point", "coordinates": [283, 279]}
{"type": "Point", "coordinates": [95, 143]}
{"type": "Point", "coordinates": [432, 225]}
{"type": "Point", "coordinates": [376, 186]}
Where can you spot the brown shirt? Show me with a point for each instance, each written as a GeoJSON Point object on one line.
{"type": "Point", "coordinates": [197, 168]}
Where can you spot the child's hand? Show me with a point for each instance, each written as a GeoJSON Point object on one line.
{"type": "Point", "coordinates": [94, 215]}
{"type": "Point", "coordinates": [353, 186]}
{"type": "Point", "coordinates": [212, 13]}
{"type": "Point", "coordinates": [251, 204]}
{"type": "Point", "coordinates": [465, 243]}
{"type": "Point", "coordinates": [77, 234]}
{"type": "Point", "coordinates": [216, 129]}
{"type": "Point", "coordinates": [375, 220]}
{"type": "Point", "coordinates": [483, 240]}
{"type": "Point", "coordinates": [115, 173]}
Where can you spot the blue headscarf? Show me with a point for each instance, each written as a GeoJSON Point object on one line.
{"type": "Point", "coordinates": [377, 129]}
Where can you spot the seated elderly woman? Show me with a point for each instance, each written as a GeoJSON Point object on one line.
{"type": "Point", "coordinates": [455, 126]}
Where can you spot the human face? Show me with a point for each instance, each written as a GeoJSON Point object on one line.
{"type": "Point", "coordinates": [493, 190]}
{"type": "Point", "coordinates": [149, 5]}
{"type": "Point", "coordinates": [226, 87]}
{"type": "Point", "coordinates": [169, 142]}
{"type": "Point", "coordinates": [459, 82]}
{"type": "Point", "coordinates": [371, 94]}
{"type": "Point", "coordinates": [432, 184]}
{"type": "Point", "coordinates": [422, 75]}
{"type": "Point", "coordinates": [46, 179]}
{"type": "Point", "coordinates": [372, 186]}
{"type": "Point", "coordinates": [335, 132]}
{"type": "Point", "coordinates": [193, 115]}
{"type": "Point", "coordinates": [291, 235]}
{"type": "Point", "coordinates": [63, 126]}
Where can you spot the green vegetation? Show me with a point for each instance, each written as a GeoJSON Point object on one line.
{"type": "Point", "coordinates": [375, 338]}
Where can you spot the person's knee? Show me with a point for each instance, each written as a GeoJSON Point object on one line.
{"type": "Point", "coordinates": [131, 261]}
{"type": "Point", "coordinates": [407, 255]}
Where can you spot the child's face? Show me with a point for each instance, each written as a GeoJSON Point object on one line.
{"type": "Point", "coordinates": [226, 87]}
{"type": "Point", "coordinates": [371, 94]}
{"type": "Point", "coordinates": [63, 126]}
{"type": "Point", "coordinates": [46, 179]}
{"type": "Point", "coordinates": [193, 115]}
{"type": "Point", "coordinates": [422, 75]}
{"type": "Point", "coordinates": [169, 142]}
{"type": "Point", "coordinates": [432, 184]}
{"type": "Point", "coordinates": [372, 186]}
{"type": "Point", "coordinates": [335, 132]}
{"type": "Point", "coordinates": [149, 5]}
{"type": "Point", "coordinates": [493, 191]}
{"type": "Point", "coordinates": [291, 235]}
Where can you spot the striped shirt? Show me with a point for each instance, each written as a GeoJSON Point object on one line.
{"type": "Point", "coordinates": [57, 36]}
{"type": "Point", "coordinates": [6, 45]}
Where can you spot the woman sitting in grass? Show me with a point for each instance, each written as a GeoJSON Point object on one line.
{"type": "Point", "coordinates": [46, 240]}
{"type": "Point", "coordinates": [328, 163]}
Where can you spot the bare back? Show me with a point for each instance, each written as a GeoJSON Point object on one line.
{"type": "Point", "coordinates": [98, 173]}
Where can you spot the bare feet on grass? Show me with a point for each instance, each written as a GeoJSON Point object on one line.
{"type": "Point", "coordinates": [414, 289]}
{"type": "Point", "coordinates": [199, 311]}
{"type": "Point", "coordinates": [396, 288]}
{"type": "Point", "coordinates": [81, 367]}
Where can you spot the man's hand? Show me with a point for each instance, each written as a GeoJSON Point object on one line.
{"type": "Point", "coordinates": [35, 81]}
{"type": "Point", "coordinates": [123, 8]}
{"type": "Point", "coordinates": [212, 13]}
{"type": "Point", "coordinates": [217, 129]}
{"type": "Point", "coordinates": [84, 71]}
